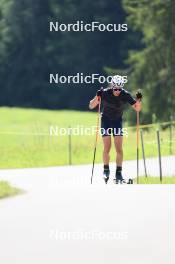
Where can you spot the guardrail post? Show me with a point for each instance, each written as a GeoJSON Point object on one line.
{"type": "Point", "coordinates": [70, 146]}
{"type": "Point", "coordinates": [170, 136]}
{"type": "Point", "coordinates": [159, 152]}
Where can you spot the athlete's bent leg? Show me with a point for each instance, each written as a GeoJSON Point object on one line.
{"type": "Point", "coordinates": [106, 149]}
{"type": "Point", "coordinates": [118, 142]}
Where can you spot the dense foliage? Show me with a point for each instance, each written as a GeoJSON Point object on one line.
{"type": "Point", "coordinates": [152, 67]}
{"type": "Point", "coordinates": [29, 52]}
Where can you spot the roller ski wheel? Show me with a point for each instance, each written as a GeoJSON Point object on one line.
{"type": "Point", "coordinates": [123, 181]}
{"type": "Point", "coordinates": [130, 181]}
{"type": "Point", "coordinates": [120, 181]}
{"type": "Point", "coordinates": [106, 174]}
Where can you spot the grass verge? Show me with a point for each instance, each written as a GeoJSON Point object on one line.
{"type": "Point", "coordinates": [156, 180]}
{"type": "Point", "coordinates": [6, 190]}
{"type": "Point", "coordinates": [26, 142]}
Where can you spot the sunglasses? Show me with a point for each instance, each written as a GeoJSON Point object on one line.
{"type": "Point", "coordinates": [117, 89]}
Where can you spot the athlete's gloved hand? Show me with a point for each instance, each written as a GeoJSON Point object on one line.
{"type": "Point", "coordinates": [139, 95]}
{"type": "Point", "coordinates": [99, 92]}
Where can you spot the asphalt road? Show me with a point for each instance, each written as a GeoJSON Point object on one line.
{"type": "Point", "coordinates": [61, 218]}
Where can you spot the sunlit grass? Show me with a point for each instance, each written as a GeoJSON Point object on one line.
{"type": "Point", "coordinates": [7, 190]}
{"type": "Point", "coordinates": [25, 140]}
{"type": "Point", "coordinates": [156, 180]}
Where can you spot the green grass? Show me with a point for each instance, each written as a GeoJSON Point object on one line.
{"type": "Point", "coordinates": [21, 149]}
{"type": "Point", "coordinates": [6, 190]}
{"type": "Point", "coordinates": [156, 180]}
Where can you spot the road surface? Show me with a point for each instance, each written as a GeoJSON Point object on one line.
{"type": "Point", "coordinates": [61, 218]}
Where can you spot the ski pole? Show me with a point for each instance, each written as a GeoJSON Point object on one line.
{"type": "Point", "coordinates": [96, 138]}
{"type": "Point", "coordinates": [143, 153]}
{"type": "Point", "coordinates": [139, 97]}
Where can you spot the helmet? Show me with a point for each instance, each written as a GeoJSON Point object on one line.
{"type": "Point", "coordinates": [118, 81]}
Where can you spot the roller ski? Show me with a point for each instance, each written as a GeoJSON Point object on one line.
{"type": "Point", "coordinates": [120, 180]}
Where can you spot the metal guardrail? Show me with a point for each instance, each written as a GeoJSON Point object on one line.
{"type": "Point", "coordinates": [171, 123]}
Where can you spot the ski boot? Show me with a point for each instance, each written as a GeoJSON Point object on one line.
{"type": "Point", "coordinates": [119, 179]}
{"type": "Point", "coordinates": [106, 174]}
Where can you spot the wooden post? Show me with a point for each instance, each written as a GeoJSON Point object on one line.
{"type": "Point", "coordinates": [170, 136]}
{"type": "Point", "coordinates": [70, 146]}
{"type": "Point", "coordinates": [159, 153]}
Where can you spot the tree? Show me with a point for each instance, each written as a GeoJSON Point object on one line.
{"type": "Point", "coordinates": [30, 52]}
{"type": "Point", "coordinates": [152, 67]}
